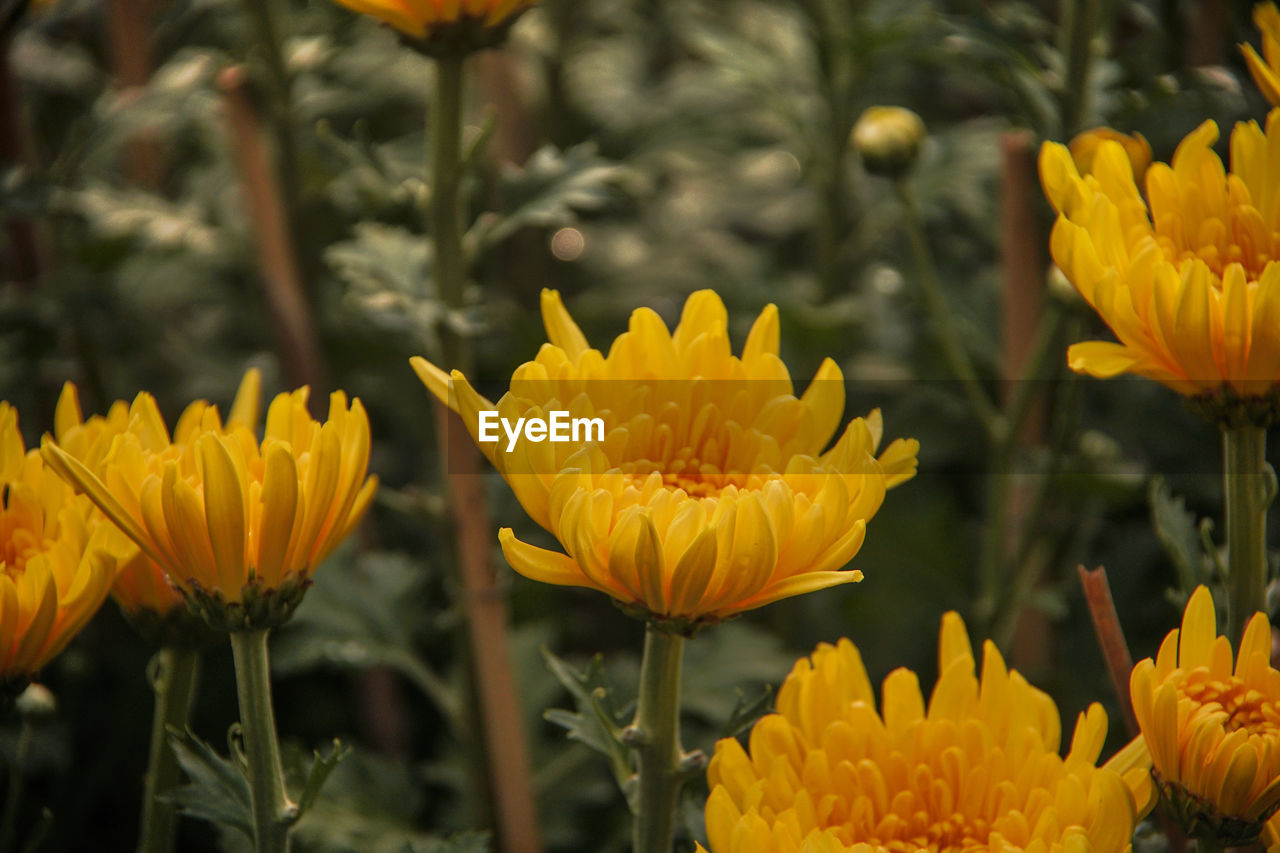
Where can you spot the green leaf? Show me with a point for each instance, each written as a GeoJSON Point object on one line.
{"type": "Point", "coordinates": [1178, 532]}
{"type": "Point", "coordinates": [360, 615]}
{"type": "Point", "coordinates": [372, 805]}
{"type": "Point", "coordinates": [321, 768]}
{"type": "Point", "coordinates": [746, 711]}
{"type": "Point", "coordinates": [596, 722]}
{"type": "Point", "coordinates": [550, 189]}
{"type": "Point", "coordinates": [216, 791]}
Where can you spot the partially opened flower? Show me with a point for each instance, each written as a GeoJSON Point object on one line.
{"type": "Point", "coordinates": [1266, 68]}
{"type": "Point", "coordinates": [1189, 286]}
{"type": "Point", "coordinates": [237, 525]}
{"type": "Point", "coordinates": [1213, 730]}
{"type": "Point", "coordinates": [462, 23]}
{"type": "Point", "coordinates": [149, 601]}
{"type": "Point", "coordinates": [708, 487]}
{"type": "Point", "coordinates": [977, 768]}
{"type": "Point", "coordinates": [54, 571]}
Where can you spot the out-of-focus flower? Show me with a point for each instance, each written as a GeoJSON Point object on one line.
{"type": "Point", "coordinates": [888, 139]}
{"type": "Point", "coordinates": [1084, 148]}
{"type": "Point", "coordinates": [237, 526]}
{"type": "Point", "coordinates": [463, 23]}
{"type": "Point", "coordinates": [976, 769]}
{"type": "Point", "coordinates": [706, 490]}
{"type": "Point", "coordinates": [1213, 731]}
{"type": "Point", "coordinates": [54, 571]}
{"type": "Point", "coordinates": [1266, 68]}
{"type": "Point", "coordinates": [1190, 287]}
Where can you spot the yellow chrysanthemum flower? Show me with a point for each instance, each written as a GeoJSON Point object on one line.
{"type": "Point", "coordinates": [709, 491]}
{"type": "Point", "coordinates": [1266, 68]}
{"type": "Point", "coordinates": [55, 571]}
{"type": "Point", "coordinates": [1084, 148]}
{"type": "Point", "coordinates": [1213, 731]}
{"type": "Point", "coordinates": [977, 769]}
{"type": "Point", "coordinates": [237, 525]}
{"type": "Point", "coordinates": [141, 589]}
{"type": "Point", "coordinates": [1190, 287]}
{"type": "Point", "coordinates": [431, 19]}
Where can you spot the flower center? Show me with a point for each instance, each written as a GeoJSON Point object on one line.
{"type": "Point", "coordinates": [1246, 706]}
{"type": "Point", "coordinates": [1238, 235]}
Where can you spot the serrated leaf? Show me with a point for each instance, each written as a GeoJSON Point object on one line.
{"type": "Point", "coordinates": [371, 805]}
{"type": "Point", "coordinates": [746, 711]}
{"type": "Point", "coordinates": [382, 258]}
{"type": "Point", "coordinates": [216, 791]}
{"type": "Point", "coordinates": [321, 768]}
{"type": "Point", "coordinates": [361, 615]}
{"type": "Point", "coordinates": [1178, 532]}
{"type": "Point", "coordinates": [595, 722]}
{"type": "Point", "coordinates": [550, 188]}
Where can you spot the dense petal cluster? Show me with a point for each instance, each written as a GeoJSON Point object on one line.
{"type": "Point", "coordinates": [1188, 284]}
{"type": "Point", "coordinates": [141, 589]}
{"type": "Point", "coordinates": [238, 526]}
{"type": "Point", "coordinates": [978, 769]}
{"type": "Point", "coordinates": [1266, 68]}
{"type": "Point", "coordinates": [55, 570]}
{"type": "Point", "coordinates": [708, 491]}
{"type": "Point", "coordinates": [423, 19]}
{"type": "Point", "coordinates": [1213, 731]}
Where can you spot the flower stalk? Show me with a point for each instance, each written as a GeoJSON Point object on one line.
{"type": "Point", "coordinates": [958, 361]}
{"type": "Point", "coordinates": [499, 760]}
{"type": "Point", "coordinates": [176, 681]}
{"type": "Point", "coordinates": [445, 212]}
{"type": "Point", "coordinates": [273, 812]}
{"type": "Point", "coordinates": [266, 22]}
{"type": "Point", "coordinates": [655, 734]}
{"type": "Point", "coordinates": [1248, 491]}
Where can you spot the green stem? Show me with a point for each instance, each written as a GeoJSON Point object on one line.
{"type": "Point", "coordinates": [1080, 20]}
{"type": "Point", "coordinates": [940, 316]}
{"type": "Point", "coordinates": [273, 812]}
{"type": "Point", "coordinates": [444, 225]}
{"type": "Point", "coordinates": [176, 682]}
{"type": "Point", "coordinates": [1247, 490]}
{"type": "Point", "coordinates": [656, 733]}
{"type": "Point", "coordinates": [445, 213]}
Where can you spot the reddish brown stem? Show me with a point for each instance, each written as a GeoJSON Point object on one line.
{"type": "Point", "coordinates": [486, 616]}
{"type": "Point", "coordinates": [297, 340]}
{"type": "Point", "coordinates": [1022, 304]}
{"type": "Point", "coordinates": [129, 26]}
{"type": "Point", "coordinates": [1106, 624]}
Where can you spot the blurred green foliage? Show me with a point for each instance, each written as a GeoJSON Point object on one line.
{"type": "Point", "coordinates": [690, 144]}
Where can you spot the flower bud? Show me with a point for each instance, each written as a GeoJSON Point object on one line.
{"type": "Point", "coordinates": [1084, 148]}
{"type": "Point", "coordinates": [888, 140]}
{"type": "Point", "coordinates": [36, 701]}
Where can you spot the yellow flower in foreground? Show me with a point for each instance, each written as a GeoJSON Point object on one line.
{"type": "Point", "coordinates": [1190, 287]}
{"type": "Point", "coordinates": [152, 604]}
{"type": "Point", "coordinates": [54, 570]}
{"type": "Point", "coordinates": [237, 526]}
{"type": "Point", "coordinates": [429, 19]}
{"type": "Point", "coordinates": [976, 769]}
{"type": "Point", "coordinates": [1213, 731]}
{"type": "Point", "coordinates": [1084, 148]}
{"type": "Point", "coordinates": [708, 491]}
{"type": "Point", "coordinates": [1266, 68]}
